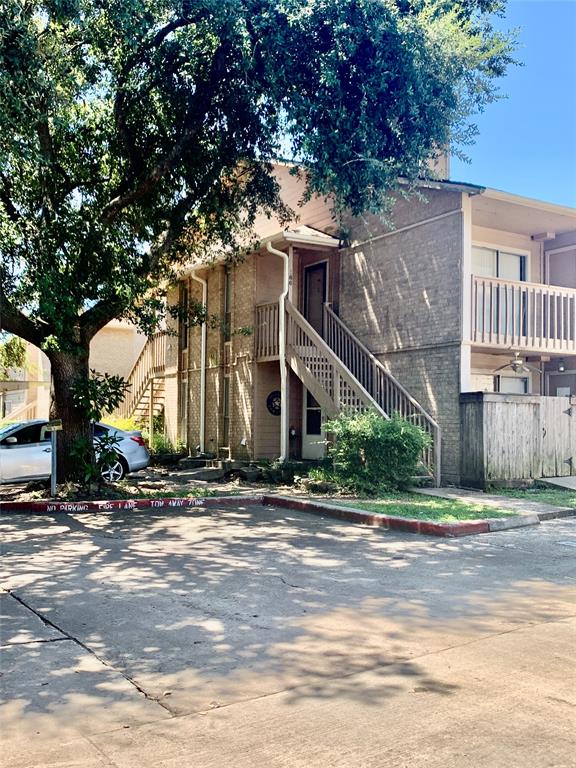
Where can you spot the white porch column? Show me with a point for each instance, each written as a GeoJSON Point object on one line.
{"type": "Point", "coordinates": [466, 306]}
{"type": "Point", "coordinates": [284, 381]}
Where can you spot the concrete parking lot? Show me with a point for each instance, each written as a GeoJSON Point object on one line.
{"type": "Point", "coordinates": [254, 636]}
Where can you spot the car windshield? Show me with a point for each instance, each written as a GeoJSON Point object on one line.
{"type": "Point", "coordinates": [8, 428]}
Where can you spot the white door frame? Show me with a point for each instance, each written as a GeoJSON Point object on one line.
{"type": "Point", "coordinates": [313, 446]}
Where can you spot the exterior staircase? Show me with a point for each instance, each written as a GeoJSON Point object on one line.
{"type": "Point", "coordinates": [342, 374]}
{"type": "Point", "coordinates": [335, 367]}
{"type": "Point", "coordinates": [145, 398]}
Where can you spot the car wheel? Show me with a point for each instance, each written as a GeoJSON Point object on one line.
{"type": "Point", "coordinates": [113, 472]}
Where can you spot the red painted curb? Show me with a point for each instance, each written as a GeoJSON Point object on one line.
{"type": "Point", "coordinates": [50, 507]}
{"type": "Point", "coordinates": [340, 513]}
{"type": "Point", "coordinates": [382, 521]}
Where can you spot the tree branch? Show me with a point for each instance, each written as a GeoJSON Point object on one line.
{"type": "Point", "coordinates": [133, 61]}
{"type": "Point", "coordinates": [196, 114]}
{"type": "Point", "coordinates": [98, 316]}
{"type": "Point", "coordinates": [6, 200]}
{"type": "Point", "coordinates": [16, 322]}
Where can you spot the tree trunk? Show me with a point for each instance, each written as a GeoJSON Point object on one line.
{"type": "Point", "coordinates": [68, 368]}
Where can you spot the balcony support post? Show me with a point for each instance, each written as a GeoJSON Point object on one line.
{"type": "Point", "coordinates": [284, 382]}
{"type": "Point", "coordinates": [202, 435]}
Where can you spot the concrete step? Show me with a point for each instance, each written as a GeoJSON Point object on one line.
{"type": "Point", "coordinates": [191, 463]}
{"type": "Point", "coordinates": [206, 474]}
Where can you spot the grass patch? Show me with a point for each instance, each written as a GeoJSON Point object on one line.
{"type": "Point", "coordinates": [555, 496]}
{"type": "Point", "coordinates": [421, 507]}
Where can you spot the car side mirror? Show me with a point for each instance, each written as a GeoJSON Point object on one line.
{"type": "Point", "coordinates": [11, 441]}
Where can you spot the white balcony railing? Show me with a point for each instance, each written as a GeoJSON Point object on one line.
{"type": "Point", "coordinates": [267, 329]}
{"type": "Point", "coordinates": [520, 315]}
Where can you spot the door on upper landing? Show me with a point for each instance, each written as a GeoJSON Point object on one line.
{"type": "Point", "coordinates": [562, 268]}
{"type": "Point", "coordinates": [315, 294]}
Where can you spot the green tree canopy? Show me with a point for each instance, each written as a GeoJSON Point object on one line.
{"type": "Point", "coordinates": [129, 126]}
{"type": "Point", "coordinates": [12, 354]}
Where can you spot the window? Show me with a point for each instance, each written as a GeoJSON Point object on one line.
{"type": "Point", "coordinates": [511, 385]}
{"type": "Point", "coordinates": [501, 308]}
{"type": "Point", "coordinates": [313, 416]}
{"type": "Point", "coordinates": [490, 262]}
{"type": "Point", "coordinates": [28, 435]}
{"type": "Point", "coordinates": [184, 325]}
{"type": "Point", "coordinates": [227, 303]}
{"type": "Point", "coordinates": [226, 412]}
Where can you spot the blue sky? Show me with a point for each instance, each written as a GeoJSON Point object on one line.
{"type": "Point", "coordinates": [527, 142]}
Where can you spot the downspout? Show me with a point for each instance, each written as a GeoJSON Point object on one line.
{"type": "Point", "coordinates": [282, 352]}
{"type": "Point", "coordinates": [204, 285]}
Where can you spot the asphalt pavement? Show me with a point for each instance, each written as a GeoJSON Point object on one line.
{"type": "Point", "coordinates": [252, 637]}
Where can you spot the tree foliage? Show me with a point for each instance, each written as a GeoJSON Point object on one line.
{"type": "Point", "coordinates": [12, 354]}
{"type": "Point", "coordinates": [126, 123]}
{"type": "Point", "coordinates": [136, 134]}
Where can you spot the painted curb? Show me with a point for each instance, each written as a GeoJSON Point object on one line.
{"type": "Point", "coordinates": [349, 514]}
{"type": "Point", "coordinates": [51, 507]}
{"type": "Point", "coordinates": [407, 524]}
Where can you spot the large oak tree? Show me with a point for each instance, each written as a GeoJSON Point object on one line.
{"type": "Point", "coordinates": [136, 132]}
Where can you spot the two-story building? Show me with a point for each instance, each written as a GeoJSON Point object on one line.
{"type": "Point", "coordinates": [459, 313]}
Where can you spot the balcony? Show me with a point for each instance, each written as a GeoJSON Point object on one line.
{"type": "Point", "coordinates": [525, 316]}
{"type": "Point", "coordinates": [267, 329]}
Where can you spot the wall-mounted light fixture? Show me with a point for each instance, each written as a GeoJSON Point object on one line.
{"type": "Point", "coordinates": [561, 365]}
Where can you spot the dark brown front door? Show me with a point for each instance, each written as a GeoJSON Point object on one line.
{"type": "Point", "coordinates": [315, 294]}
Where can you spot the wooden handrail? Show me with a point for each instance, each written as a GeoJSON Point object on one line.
{"type": "Point", "coordinates": [24, 412]}
{"type": "Point", "coordinates": [151, 363]}
{"type": "Point", "coordinates": [383, 387]}
{"type": "Point", "coordinates": [525, 284]}
{"type": "Point", "coordinates": [324, 365]}
{"type": "Point", "coordinates": [267, 329]}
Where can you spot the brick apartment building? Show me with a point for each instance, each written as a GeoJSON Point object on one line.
{"type": "Point", "coordinates": [461, 315]}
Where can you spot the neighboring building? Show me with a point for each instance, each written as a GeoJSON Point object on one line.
{"type": "Point", "coordinates": [409, 318]}
{"type": "Point", "coordinates": [114, 350]}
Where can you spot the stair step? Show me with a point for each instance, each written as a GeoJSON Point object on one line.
{"type": "Point", "coordinates": [190, 463]}
{"type": "Point", "coordinates": [207, 474]}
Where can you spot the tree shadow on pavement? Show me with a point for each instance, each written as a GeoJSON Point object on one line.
{"type": "Point", "coordinates": [173, 612]}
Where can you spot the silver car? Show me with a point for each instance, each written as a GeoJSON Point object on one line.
{"type": "Point", "coordinates": [25, 452]}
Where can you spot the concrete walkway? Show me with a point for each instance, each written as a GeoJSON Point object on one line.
{"type": "Point", "coordinates": [519, 506]}
{"type": "Point", "coordinates": [565, 483]}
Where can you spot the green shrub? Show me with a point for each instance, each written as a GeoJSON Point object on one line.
{"type": "Point", "coordinates": [371, 454]}
{"type": "Point", "coordinates": [285, 472]}
{"type": "Point", "coordinates": [161, 444]}
{"type": "Point", "coordinates": [126, 425]}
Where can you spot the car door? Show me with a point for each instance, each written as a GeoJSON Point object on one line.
{"type": "Point", "coordinates": [29, 457]}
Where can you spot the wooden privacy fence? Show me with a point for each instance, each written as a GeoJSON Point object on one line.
{"type": "Point", "coordinates": [516, 437]}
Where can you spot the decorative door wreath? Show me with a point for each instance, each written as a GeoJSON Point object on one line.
{"type": "Point", "coordinates": [274, 402]}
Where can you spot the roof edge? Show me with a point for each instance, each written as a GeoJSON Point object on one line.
{"type": "Point", "coordinates": [529, 202]}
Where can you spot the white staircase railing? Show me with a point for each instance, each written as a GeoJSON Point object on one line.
{"type": "Point", "coordinates": [382, 387]}
{"type": "Point", "coordinates": [24, 412]}
{"type": "Point", "coordinates": [323, 374]}
{"type": "Point", "coordinates": [150, 364]}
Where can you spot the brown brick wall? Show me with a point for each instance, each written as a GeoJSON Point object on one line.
{"type": "Point", "coordinates": [401, 295]}
{"type": "Point", "coordinates": [240, 371]}
{"type": "Point", "coordinates": [432, 376]}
